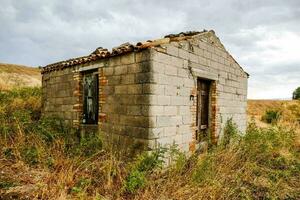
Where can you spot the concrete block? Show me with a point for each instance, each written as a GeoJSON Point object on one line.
{"type": "Point", "coordinates": [193, 58]}
{"type": "Point", "coordinates": [170, 110]}
{"type": "Point", "coordinates": [198, 51]}
{"type": "Point", "coordinates": [149, 88]}
{"type": "Point", "coordinates": [170, 70]}
{"type": "Point", "coordinates": [121, 89]}
{"type": "Point", "coordinates": [187, 119]}
{"type": "Point", "coordinates": [177, 62]}
{"type": "Point", "coordinates": [154, 133]}
{"type": "Point", "coordinates": [207, 54]}
{"type": "Point", "coordinates": [215, 57]}
{"type": "Point", "coordinates": [169, 131]}
{"type": "Point", "coordinates": [184, 110]}
{"type": "Point", "coordinates": [174, 80]}
{"type": "Point", "coordinates": [161, 57]}
{"type": "Point", "coordinates": [158, 67]}
{"type": "Point", "coordinates": [146, 99]}
{"type": "Point", "coordinates": [172, 50]}
{"type": "Point", "coordinates": [115, 61]}
{"type": "Point", "coordinates": [184, 54]}
{"type": "Point", "coordinates": [183, 72]}
{"type": "Point", "coordinates": [134, 110]}
{"type": "Point", "coordinates": [134, 68]}
{"type": "Point", "coordinates": [114, 80]}
{"type": "Point", "coordinates": [163, 121]}
{"type": "Point", "coordinates": [176, 100]}
{"type": "Point", "coordinates": [127, 79]}
{"type": "Point", "coordinates": [170, 90]}
{"type": "Point", "coordinates": [163, 100]}
{"type": "Point", "coordinates": [120, 70]}
{"type": "Point", "coordinates": [108, 71]}
{"type": "Point", "coordinates": [189, 82]}
{"type": "Point", "coordinates": [145, 78]}
{"type": "Point", "coordinates": [138, 121]}
{"type": "Point", "coordinates": [187, 137]}
{"type": "Point", "coordinates": [152, 110]}
{"type": "Point", "coordinates": [163, 79]}
{"type": "Point", "coordinates": [128, 58]}
{"type": "Point", "coordinates": [135, 89]}
{"type": "Point", "coordinates": [142, 56]}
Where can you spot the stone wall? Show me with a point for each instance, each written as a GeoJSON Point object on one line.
{"type": "Point", "coordinates": [59, 96]}
{"type": "Point", "coordinates": [125, 99]}
{"type": "Point", "coordinates": [144, 97]}
{"type": "Point", "coordinates": [176, 68]}
{"type": "Point", "coordinates": [125, 96]}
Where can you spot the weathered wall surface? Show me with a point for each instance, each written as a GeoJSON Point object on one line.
{"type": "Point", "coordinates": [144, 97]}
{"type": "Point", "coordinates": [59, 94]}
{"type": "Point", "coordinates": [177, 66]}
{"type": "Point", "coordinates": [125, 99]}
{"type": "Point", "coordinates": [125, 92]}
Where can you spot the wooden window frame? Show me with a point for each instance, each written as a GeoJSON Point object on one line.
{"type": "Point", "coordinates": [95, 98]}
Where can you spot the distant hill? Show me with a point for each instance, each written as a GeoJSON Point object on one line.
{"type": "Point", "coordinates": [259, 107]}
{"type": "Point", "coordinates": [12, 75]}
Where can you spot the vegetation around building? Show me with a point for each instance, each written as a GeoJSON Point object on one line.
{"type": "Point", "coordinates": [43, 158]}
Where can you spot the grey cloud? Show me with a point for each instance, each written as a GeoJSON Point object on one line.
{"type": "Point", "coordinates": [38, 32]}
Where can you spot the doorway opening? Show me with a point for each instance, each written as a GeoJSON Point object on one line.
{"type": "Point", "coordinates": [203, 109]}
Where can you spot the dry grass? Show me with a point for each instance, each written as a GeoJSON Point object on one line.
{"type": "Point", "coordinates": [41, 159]}
{"type": "Point", "coordinates": [12, 76]}
{"type": "Point", "coordinates": [290, 110]}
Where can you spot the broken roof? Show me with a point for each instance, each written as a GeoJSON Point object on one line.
{"type": "Point", "coordinates": [101, 53]}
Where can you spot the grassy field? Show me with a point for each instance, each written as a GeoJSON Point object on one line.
{"type": "Point", "coordinates": [42, 158]}
{"type": "Point", "coordinates": [12, 76]}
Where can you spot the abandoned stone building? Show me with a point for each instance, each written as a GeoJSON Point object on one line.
{"type": "Point", "coordinates": [180, 89]}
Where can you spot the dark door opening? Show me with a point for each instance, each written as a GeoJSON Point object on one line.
{"type": "Point", "coordinates": [203, 88]}
{"type": "Point", "coordinates": [90, 98]}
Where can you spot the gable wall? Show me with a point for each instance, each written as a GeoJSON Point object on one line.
{"type": "Point", "coordinates": [177, 66]}
{"type": "Point", "coordinates": [144, 97]}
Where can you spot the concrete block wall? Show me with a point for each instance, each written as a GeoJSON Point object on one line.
{"type": "Point", "coordinates": [177, 66]}
{"type": "Point", "coordinates": [126, 89]}
{"type": "Point", "coordinates": [126, 97]}
{"type": "Point", "coordinates": [144, 97]}
{"type": "Point", "coordinates": [171, 101]}
{"type": "Point", "coordinates": [60, 97]}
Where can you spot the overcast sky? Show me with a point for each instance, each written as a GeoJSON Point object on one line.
{"type": "Point", "coordinates": [263, 35]}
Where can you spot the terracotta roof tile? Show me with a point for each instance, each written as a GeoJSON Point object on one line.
{"type": "Point", "coordinates": [101, 53]}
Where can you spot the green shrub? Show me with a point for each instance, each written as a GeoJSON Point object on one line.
{"type": "Point", "coordinates": [23, 93]}
{"type": "Point", "coordinates": [90, 144]}
{"type": "Point", "coordinates": [30, 155]}
{"type": "Point", "coordinates": [178, 158]}
{"type": "Point", "coordinates": [271, 116]}
{"type": "Point", "coordinates": [51, 128]}
{"type": "Point", "coordinates": [264, 165]}
{"type": "Point", "coordinates": [81, 185]}
{"type": "Point", "coordinates": [296, 93]}
{"type": "Point", "coordinates": [274, 158]}
{"type": "Point", "coordinates": [230, 133]}
{"type": "Point", "coordinates": [8, 153]}
{"type": "Point", "coordinates": [143, 166]}
{"type": "Point", "coordinates": [265, 145]}
{"type": "Point", "coordinates": [135, 180]}
{"type": "Point", "coordinates": [295, 109]}
{"type": "Point", "coordinates": [6, 184]}
{"type": "Point", "coordinates": [19, 109]}
{"type": "Point", "coordinates": [205, 170]}
{"type": "Point", "coordinates": [149, 161]}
